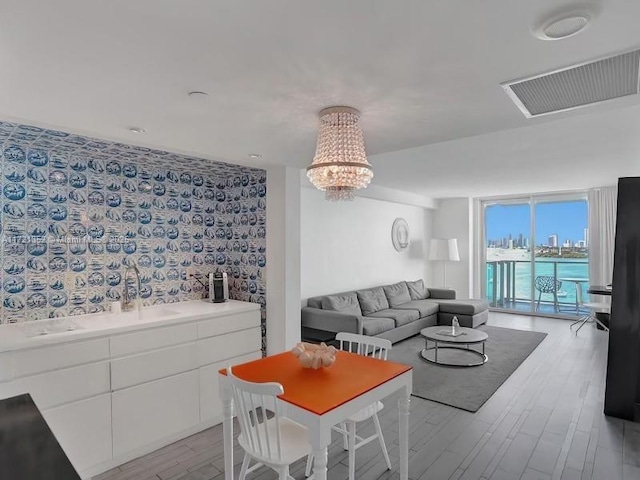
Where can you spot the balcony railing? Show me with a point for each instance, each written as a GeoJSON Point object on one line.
{"type": "Point", "coordinates": [509, 285]}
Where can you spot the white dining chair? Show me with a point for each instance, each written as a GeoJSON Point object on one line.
{"type": "Point", "coordinates": [267, 437]}
{"type": "Point", "coordinates": [370, 347]}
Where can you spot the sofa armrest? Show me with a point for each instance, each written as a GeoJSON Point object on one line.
{"type": "Point", "coordinates": [330, 320]}
{"type": "Point", "coordinates": [442, 293]}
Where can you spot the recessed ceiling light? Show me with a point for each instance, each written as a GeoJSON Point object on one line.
{"type": "Point", "coordinates": [137, 130]}
{"type": "Point", "coordinates": [198, 95]}
{"type": "Point", "coordinates": [254, 156]}
{"type": "Point", "coordinates": [563, 26]}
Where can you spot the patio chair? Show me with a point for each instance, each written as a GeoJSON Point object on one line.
{"type": "Point", "coordinates": [547, 284]}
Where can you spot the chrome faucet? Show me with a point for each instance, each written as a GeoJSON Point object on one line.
{"type": "Point", "coordinates": [127, 303]}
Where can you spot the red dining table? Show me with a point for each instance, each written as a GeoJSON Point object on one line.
{"type": "Point", "coordinates": [320, 399]}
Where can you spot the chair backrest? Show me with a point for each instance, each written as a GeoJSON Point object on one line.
{"type": "Point", "coordinates": [364, 345]}
{"type": "Point", "coordinates": [254, 403]}
{"type": "Point", "coordinates": [547, 284]}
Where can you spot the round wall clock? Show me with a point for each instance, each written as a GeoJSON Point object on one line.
{"type": "Point", "coordinates": [400, 234]}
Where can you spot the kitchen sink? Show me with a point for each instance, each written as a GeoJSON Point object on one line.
{"type": "Point", "coordinates": [49, 327]}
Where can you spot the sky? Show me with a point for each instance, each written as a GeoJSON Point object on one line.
{"type": "Point", "coordinates": [566, 219]}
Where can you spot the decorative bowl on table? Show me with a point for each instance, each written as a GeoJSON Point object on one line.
{"type": "Point", "coordinates": [314, 356]}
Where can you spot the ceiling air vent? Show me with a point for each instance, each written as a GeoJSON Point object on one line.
{"type": "Point", "coordinates": [576, 86]}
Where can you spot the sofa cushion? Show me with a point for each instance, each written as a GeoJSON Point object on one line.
{"type": "Point", "coordinates": [374, 326]}
{"type": "Point", "coordinates": [424, 307]}
{"type": "Point", "coordinates": [343, 303]}
{"type": "Point", "coordinates": [417, 290]}
{"type": "Point", "coordinates": [463, 307]}
{"type": "Point", "coordinates": [397, 294]}
{"type": "Point", "coordinates": [372, 300]}
{"type": "Point", "coordinates": [401, 317]}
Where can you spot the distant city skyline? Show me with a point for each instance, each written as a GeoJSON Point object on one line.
{"type": "Point", "coordinates": [566, 220]}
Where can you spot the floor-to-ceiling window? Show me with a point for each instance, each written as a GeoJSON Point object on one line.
{"type": "Point", "coordinates": [536, 253]}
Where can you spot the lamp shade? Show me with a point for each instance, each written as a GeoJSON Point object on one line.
{"type": "Point", "coordinates": [444, 249]}
{"type": "Point", "coordinates": [340, 165]}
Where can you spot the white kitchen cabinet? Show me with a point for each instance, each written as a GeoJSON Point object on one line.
{"type": "Point", "coordinates": [83, 429]}
{"type": "Point", "coordinates": [222, 347]}
{"type": "Point", "coordinates": [6, 367]}
{"type": "Point", "coordinates": [210, 406]}
{"type": "Point", "coordinates": [148, 413]}
{"type": "Point", "coordinates": [152, 339]}
{"type": "Point", "coordinates": [67, 385]}
{"type": "Point", "coordinates": [148, 366]}
{"type": "Point", "coordinates": [127, 386]}
{"type": "Point", "coordinates": [236, 322]}
{"type": "Point", "coordinates": [56, 357]}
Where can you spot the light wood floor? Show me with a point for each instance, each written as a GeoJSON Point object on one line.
{"type": "Point", "coordinates": [545, 422]}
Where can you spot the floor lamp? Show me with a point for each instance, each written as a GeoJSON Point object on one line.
{"type": "Point", "coordinates": [445, 249]}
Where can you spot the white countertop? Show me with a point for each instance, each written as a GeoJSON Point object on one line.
{"type": "Point", "coordinates": [14, 337]}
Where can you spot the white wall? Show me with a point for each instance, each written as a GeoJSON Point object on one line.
{"type": "Point", "coordinates": [454, 219]}
{"type": "Point", "coordinates": [347, 245]}
{"type": "Point", "coordinates": [283, 258]}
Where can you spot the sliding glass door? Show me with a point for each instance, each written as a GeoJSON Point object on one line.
{"type": "Point", "coordinates": [536, 254]}
{"type": "Point", "coordinates": [508, 233]}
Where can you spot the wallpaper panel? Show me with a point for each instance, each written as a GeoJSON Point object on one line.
{"type": "Point", "coordinates": [75, 211]}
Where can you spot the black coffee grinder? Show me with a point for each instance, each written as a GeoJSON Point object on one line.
{"type": "Point", "coordinates": [218, 287]}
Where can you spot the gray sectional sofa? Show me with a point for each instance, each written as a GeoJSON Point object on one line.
{"type": "Point", "coordinates": [394, 312]}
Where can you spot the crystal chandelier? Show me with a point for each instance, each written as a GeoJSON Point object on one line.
{"type": "Point", "coordinates": [340, 165]}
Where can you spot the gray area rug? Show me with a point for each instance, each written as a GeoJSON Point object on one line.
{"type": "Point", "coordinates": [467, 388]}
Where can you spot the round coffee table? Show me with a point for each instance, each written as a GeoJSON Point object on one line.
{"type": "Point", "coordinates": [468, 336]}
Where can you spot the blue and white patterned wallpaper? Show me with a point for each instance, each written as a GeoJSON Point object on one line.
{"type": "Point", "coordinates": [75, 211]}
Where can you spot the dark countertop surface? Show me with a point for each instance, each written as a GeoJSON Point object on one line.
{"type": "Point", "coordinates": [599, 290]}
{"type": "Point", "coordinates": [28, 448]}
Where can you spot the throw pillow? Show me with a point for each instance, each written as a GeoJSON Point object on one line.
{"type": "Point", "coordinates": [397, 294]}
{"type": "Point", "coordinates": [417, 290]}
{"type": "Point", "coordinates": [372, 300]}
{"type": "Point", "coordinates": [343, 303]}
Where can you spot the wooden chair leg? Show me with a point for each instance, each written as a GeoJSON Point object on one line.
{"type": "Point", "coordinates": [245, 466]}
{"type": "Point", "coordinates": [345, 436]}
{"type": "Point", "coordinates": [307, 469]}
{"type": "Point", "coordinates": [284, 473]}
{"type": "Point", "coordinates": [376, 421]}
{"type": "Point", "coordinates": [352, 450]}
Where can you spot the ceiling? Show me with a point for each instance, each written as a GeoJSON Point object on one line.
{"type": "Point", "coordinates": [425, 74]}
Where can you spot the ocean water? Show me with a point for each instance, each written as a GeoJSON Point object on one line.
{"type": "Point", "coordinates": [564, 268]}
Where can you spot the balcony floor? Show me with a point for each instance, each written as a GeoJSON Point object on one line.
{"type": "Point", "coordinates": [565, 310]}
